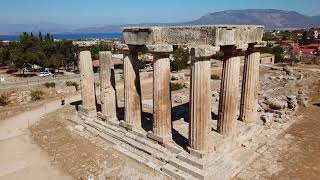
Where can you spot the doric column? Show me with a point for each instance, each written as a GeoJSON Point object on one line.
{"type": "Point", "coordinates": [162, 129]}
{"type": "Point", "coordinates": [88, 106]}
{"type": "Point", "coordinates": [132, 90]}
{"type": "Point", "coordinates": [200, 109]}
{"type": "Point", "coordinates": [250, 83]}
{"type": "Point", "coordinates": [107, 86]}
{"type": "Point", "coordinates": [229, 90]}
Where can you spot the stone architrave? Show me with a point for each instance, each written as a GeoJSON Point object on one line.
{"type": "Point", "coordinates": [229, 91]}
{"type": "Point", "coordinates": [107, 86]}
{"type": "Point", "coordinates": [250, 83]}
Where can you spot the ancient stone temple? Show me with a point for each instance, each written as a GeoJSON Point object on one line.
{"type": "Point", "coordinates": [213, 147]}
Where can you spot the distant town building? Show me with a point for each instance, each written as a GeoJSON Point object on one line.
{"type": "Point", "coordinates": [117, 60]}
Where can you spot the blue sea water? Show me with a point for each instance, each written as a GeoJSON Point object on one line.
{"type": "Point", "coordinates": [70, 36]}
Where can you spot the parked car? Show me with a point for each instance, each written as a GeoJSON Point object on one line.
{"type": "Point", "coordinates": [45, 74]}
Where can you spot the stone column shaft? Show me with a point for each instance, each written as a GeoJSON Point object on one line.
{"type": "Point", "coordinates": [132, 90]}
{"type": "Point", "coordinates": [87, 80]}
{"type": "Point", "coordinates": [250, 83]}
{"type": "Point", "coordinates": [200, 111]}
{"type": "Point", "coordinates": [162, 128]}
{"type": "Point", "coordinates": [227, 115]}
{"type": "Point", "coordinates": [107, 86]}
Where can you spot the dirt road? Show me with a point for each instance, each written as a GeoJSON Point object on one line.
{"type": "Point", "coordinates": [20, 158]}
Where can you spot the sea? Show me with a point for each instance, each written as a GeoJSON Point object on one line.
{"type": "Point", "coordinates": [70, 36]}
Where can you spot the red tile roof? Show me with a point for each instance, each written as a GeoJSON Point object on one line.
{"type": "Point", "coordinates": [303, 51]}
{"type": "Point", "coordinates": [313, 45]}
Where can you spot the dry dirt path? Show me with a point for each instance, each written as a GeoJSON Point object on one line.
{"type": "Point", "coordinates": [22, 159]}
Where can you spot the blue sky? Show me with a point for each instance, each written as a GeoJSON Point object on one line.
{"type": "Point", "coordinates": [102, 12]}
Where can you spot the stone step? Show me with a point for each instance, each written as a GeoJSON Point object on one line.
{"type": "Point", "coordinates": [133, 142]}
{"type": "Point", "coordinates": [176, 173]}
{"type": "Point", "coordinates": [188, 168]}
{"type": "Point", "coordinates": [140, 139]}
{"type": "Point", "coordinates": [199, 163]}
{"type": "Point", "coordinates": [128, 150]}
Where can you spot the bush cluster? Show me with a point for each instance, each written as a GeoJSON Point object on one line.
{"type": "Point", "coordinates": [36, 95]}
{"type": "Point", "coordinates": [4, 100]}
{"type": "Point", "coordinates": [73, 83]}
{"type": "Point", "coordinates": [176, 86]}
{"type": "Point", "coordinates": [50, 84]}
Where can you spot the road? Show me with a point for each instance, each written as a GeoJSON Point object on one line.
{"type": "Point", "coordinates": [20, 158]}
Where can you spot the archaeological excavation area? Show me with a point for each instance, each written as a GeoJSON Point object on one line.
{"type": "Point", "coordinates": [203, 146]}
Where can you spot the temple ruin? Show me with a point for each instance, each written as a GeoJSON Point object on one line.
{"type": "Point", "coordinates": [214, 148]}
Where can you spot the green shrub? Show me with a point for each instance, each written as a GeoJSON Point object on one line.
{"type": "Point", "coordinates": [215, 77]}
{"type": "Point", "coordinates": [73, 83]}
{"type": "Point", "coordinates": [36, 95]}
{"type": "Point", "coordinates": [181, 58]}
{"type": "Point", "coordinates": [50, 84]}
{"type": "Point", "coordinates": [4, 100]}
{"type": "Point", "coordinates": [176, 86]}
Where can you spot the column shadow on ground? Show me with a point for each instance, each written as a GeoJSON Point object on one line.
{"type": "Point", "coordinates": [317, 104]}
{"type": "Point", "coordinates": [76, 104]}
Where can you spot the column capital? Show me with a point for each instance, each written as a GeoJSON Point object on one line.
{"type": "Point", "coordinates": [202, 52]}
{"type": "Point", "coordinates": [230, 51]}
{"type": "Point", "coordinates": [127, 49]}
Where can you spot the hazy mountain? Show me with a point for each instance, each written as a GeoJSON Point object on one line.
{"type": "Point", "coordinates": [316, 18]}
{"type": "Point", "coordinates": [270, 18]}
{"type": "Point", "coordinates": [35, 27]}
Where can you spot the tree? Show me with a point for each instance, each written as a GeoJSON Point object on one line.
{"type": "Point", "coordinates": [181, 58]}
{"type": "Point", "coordinates": [305, 38]}
{"type": "Point", "coordinates": [100, 47]}
{"type": "Point", "coordinates": [277, 51]}
{"type": "Point", "coordinates": [44, 52]}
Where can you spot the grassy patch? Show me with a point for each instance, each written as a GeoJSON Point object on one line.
{"type": "Point", "coordinates": [176, 86]}
{"type": "Point", "coordinates": [36, 95]}
{"type": "Point", "coordinates": [50, 84]}
{"type": "Point", "coordinates": [73, 83]}
{"type": "Point", "coordinates": [4, 100]}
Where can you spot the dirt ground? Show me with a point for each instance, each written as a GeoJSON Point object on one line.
{"type": "Point", "coordinates": [81, 157]}
{"type": "Point", "coordinates": [294, 154]}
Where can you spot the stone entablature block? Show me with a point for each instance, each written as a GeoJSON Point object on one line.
{"type": "Point", "coordinates": [215, 35]}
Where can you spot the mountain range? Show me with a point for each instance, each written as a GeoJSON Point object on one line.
{"type": "Point", "coordinates": [272, 19]}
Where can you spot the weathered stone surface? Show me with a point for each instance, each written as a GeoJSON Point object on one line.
{"type": "Point", "coordinates": [87, 80]}
{"type": "Point", "coordinates": [200, 111]}
{"type": "Point", "coordinates": [132, 90]}
{"type": "Point", "coordinates": [215, 35]}
{"type": "Point", "coordinates": [227, 115]}
{"type": "Point", "coordinates": [249, 94]}
{"type": "Point", "coordinates": [292, 102]}
{"type": "Point", "coordinates": [205, 51]}
{"type": "Point", "coordinates": [107, 86]}
{"type": "Point", "coordinates": [164, 48]}
{"type": "Point", "coordinates": [161, 100]}
{"type": "Point", "coordinates": [266, 118]}
{"type": "Point", "coordinates": [276, 104]}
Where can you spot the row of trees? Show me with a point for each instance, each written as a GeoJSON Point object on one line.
{"type": "Point", "coordinates": [39, 50]}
